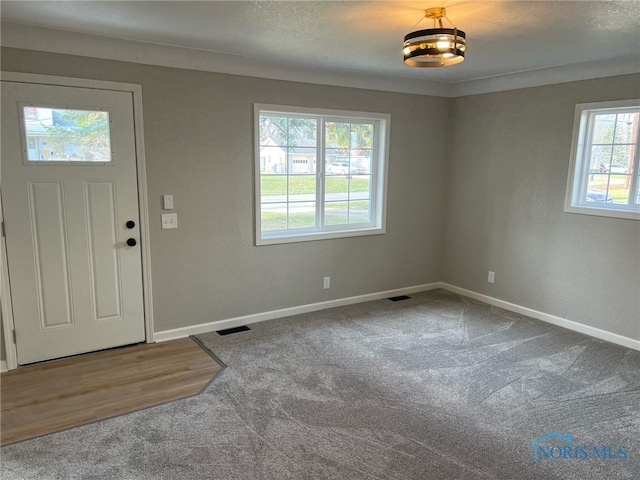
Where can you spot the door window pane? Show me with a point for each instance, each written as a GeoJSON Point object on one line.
{"type": "Point", "coordinates": [66, 135]}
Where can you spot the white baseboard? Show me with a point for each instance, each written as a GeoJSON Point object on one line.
{"type": "Point", "coordinates": [545, 317]}
{"type": "Point", "coordinates": [166, 335]}
{"type": "Point", "coordinates": [176, 333]}
{"type": "Point", "coordinates": [3, 366]}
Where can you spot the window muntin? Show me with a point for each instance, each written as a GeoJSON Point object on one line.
{"type": "Point", "coordinates": [604, 173]}
{"type": "Point", "coordinates": [63, 136]}
{"type": "Point", "coordinates": [319, 173]}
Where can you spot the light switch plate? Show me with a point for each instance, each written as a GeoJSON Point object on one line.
{"type": "Point", "coordinates": [167, 202]}
{"type": "Point", "coordinates": [169, 220]}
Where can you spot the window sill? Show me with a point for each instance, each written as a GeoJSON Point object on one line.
{"type": "Point", "coordinates": [310, 237]}
{"type": "Point", "coordinates": [604, 212]}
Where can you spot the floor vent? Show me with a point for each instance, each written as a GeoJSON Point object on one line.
{"type": "Point", "coordinates": [228, 331]}
{"type": "Point", "coordinates": [398, 298]}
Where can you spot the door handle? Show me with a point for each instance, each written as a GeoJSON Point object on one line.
{"type": "Point", "coordinates": [132, 242]}
{"type": "Point", "coordinates": [130, 224]}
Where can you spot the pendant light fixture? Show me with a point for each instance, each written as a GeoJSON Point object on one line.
{"type": "Point", "coordinates": [437, 46]}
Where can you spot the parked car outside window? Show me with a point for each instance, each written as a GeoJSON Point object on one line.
{"type": "Point", "coordinates": [598, 196]}
{"type": "Point", "coordinates": [340, 168]}
{"type": "Point", "coordinates": [617, 168]}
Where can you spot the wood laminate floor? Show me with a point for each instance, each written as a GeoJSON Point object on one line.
{"type": "Point", "coordinates": [60, 394]}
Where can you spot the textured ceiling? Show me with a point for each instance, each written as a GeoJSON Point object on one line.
{"type": "Point", "coordinates": [358, 37]}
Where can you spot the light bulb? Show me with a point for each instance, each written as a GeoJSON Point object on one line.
{"type": "Point", "coordinates": [443, 43]}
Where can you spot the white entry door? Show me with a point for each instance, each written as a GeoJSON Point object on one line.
{"type": "Point", "coordinates": [70, 200]}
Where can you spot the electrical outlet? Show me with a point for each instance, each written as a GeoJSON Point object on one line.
{"type": "Point", "coordinates": [169, 220]}
{"type": "Point", "coordinates": [326, 283]}
{"type": "Point", "coordinates": [492, 277]}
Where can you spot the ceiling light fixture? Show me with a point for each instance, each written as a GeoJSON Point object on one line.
{"type": "Point", "coordinates": [437, 46]}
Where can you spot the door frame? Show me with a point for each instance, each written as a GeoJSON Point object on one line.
{"type": "Point", "coordinates": [143, 206]}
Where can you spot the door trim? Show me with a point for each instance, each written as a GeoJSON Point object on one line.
{"type": "Point", "coordinates": [136, 91]}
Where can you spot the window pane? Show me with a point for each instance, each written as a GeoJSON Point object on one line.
{"type": "Point", "coordinates": [619, 191]}
{"type": "Point", "coordinates": [273, 130]}
{"type": "Point", "coordinates": [601, 158]}
{"type": "Point", "coordinates": [332, 155]}
{"type": "Point", "coordinates": [272, 187]}
{"type": "Point", "coordinates": [273, 159]}
{"type": "Point", "coordinates": [59, 134]}
{"type": "Point", "coordinates": [302, 215]}
{"type": "Point", "coordinates": [302, 132]}
{"type": "Point", "coordinates": [337, 135]}
{"type": "Point", "coordinates": [303, 160]}
{"type": "Point", "coordinates": [622, 159]}
{"type": "Point", "coordinates": [336, 188]}
{"type": "Point", "coordinates": [274, 216]}
{"type": "Point", "coordinates": [302, 188]}
{"type": "Point", "coordinates": [603, 128]}
{"type": "Point", "coordinates": [597, 190]}
{"type": "Point", "coordinates": [341, 166]}
{"type": "Point", "coordinates": [336, 213]}
{"type": "Point", "coordinates": [359, 211]}
{"type": "Point", "coordinates": [361, 135]}
{"type": "Point", "coordinates": [360, 187]}
{"type": "Point", "coordinates": [625, 127]}
{"type": "Point", "coordinates": [361, 161]}
{"type": "Point", "coordinates": [608, 188]}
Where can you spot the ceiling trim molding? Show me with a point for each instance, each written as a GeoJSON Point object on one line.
{"type": "Point", "coordinates": [74, 43]}
{"type": "Point", "coordinates": [548, 76]}
{"type": "Point", "coordinates": [86, 45]}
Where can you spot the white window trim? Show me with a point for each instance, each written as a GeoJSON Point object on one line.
{"type": "Point", "coordinates": [379, 175]}
{"type": "Point", "coordinates": [579, 163]}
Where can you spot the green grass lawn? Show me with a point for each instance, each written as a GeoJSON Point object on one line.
{"type": "Point", "coordinates": [306, 184]}
{"type": "Point", "coordinates": [335, 214]}
{"type": "Point", "coordinates": [619, 195]}
{"type": "Point", "coordinates": [278, 221]}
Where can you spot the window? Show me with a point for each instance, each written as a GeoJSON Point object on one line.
{"type": "Point", "coordinates": [604, 173]}
{"type": "Point", "coordinates": [63, 136]}
{"type": "Point", "coordinates": [319, 173]}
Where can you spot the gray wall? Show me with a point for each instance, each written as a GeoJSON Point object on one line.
{"type": "Point", "coordinates": [198, 130]}
{"type": "Point", "coordinates": [509, 159]}
{"type": "Point", "coordinates": [491, 199]}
